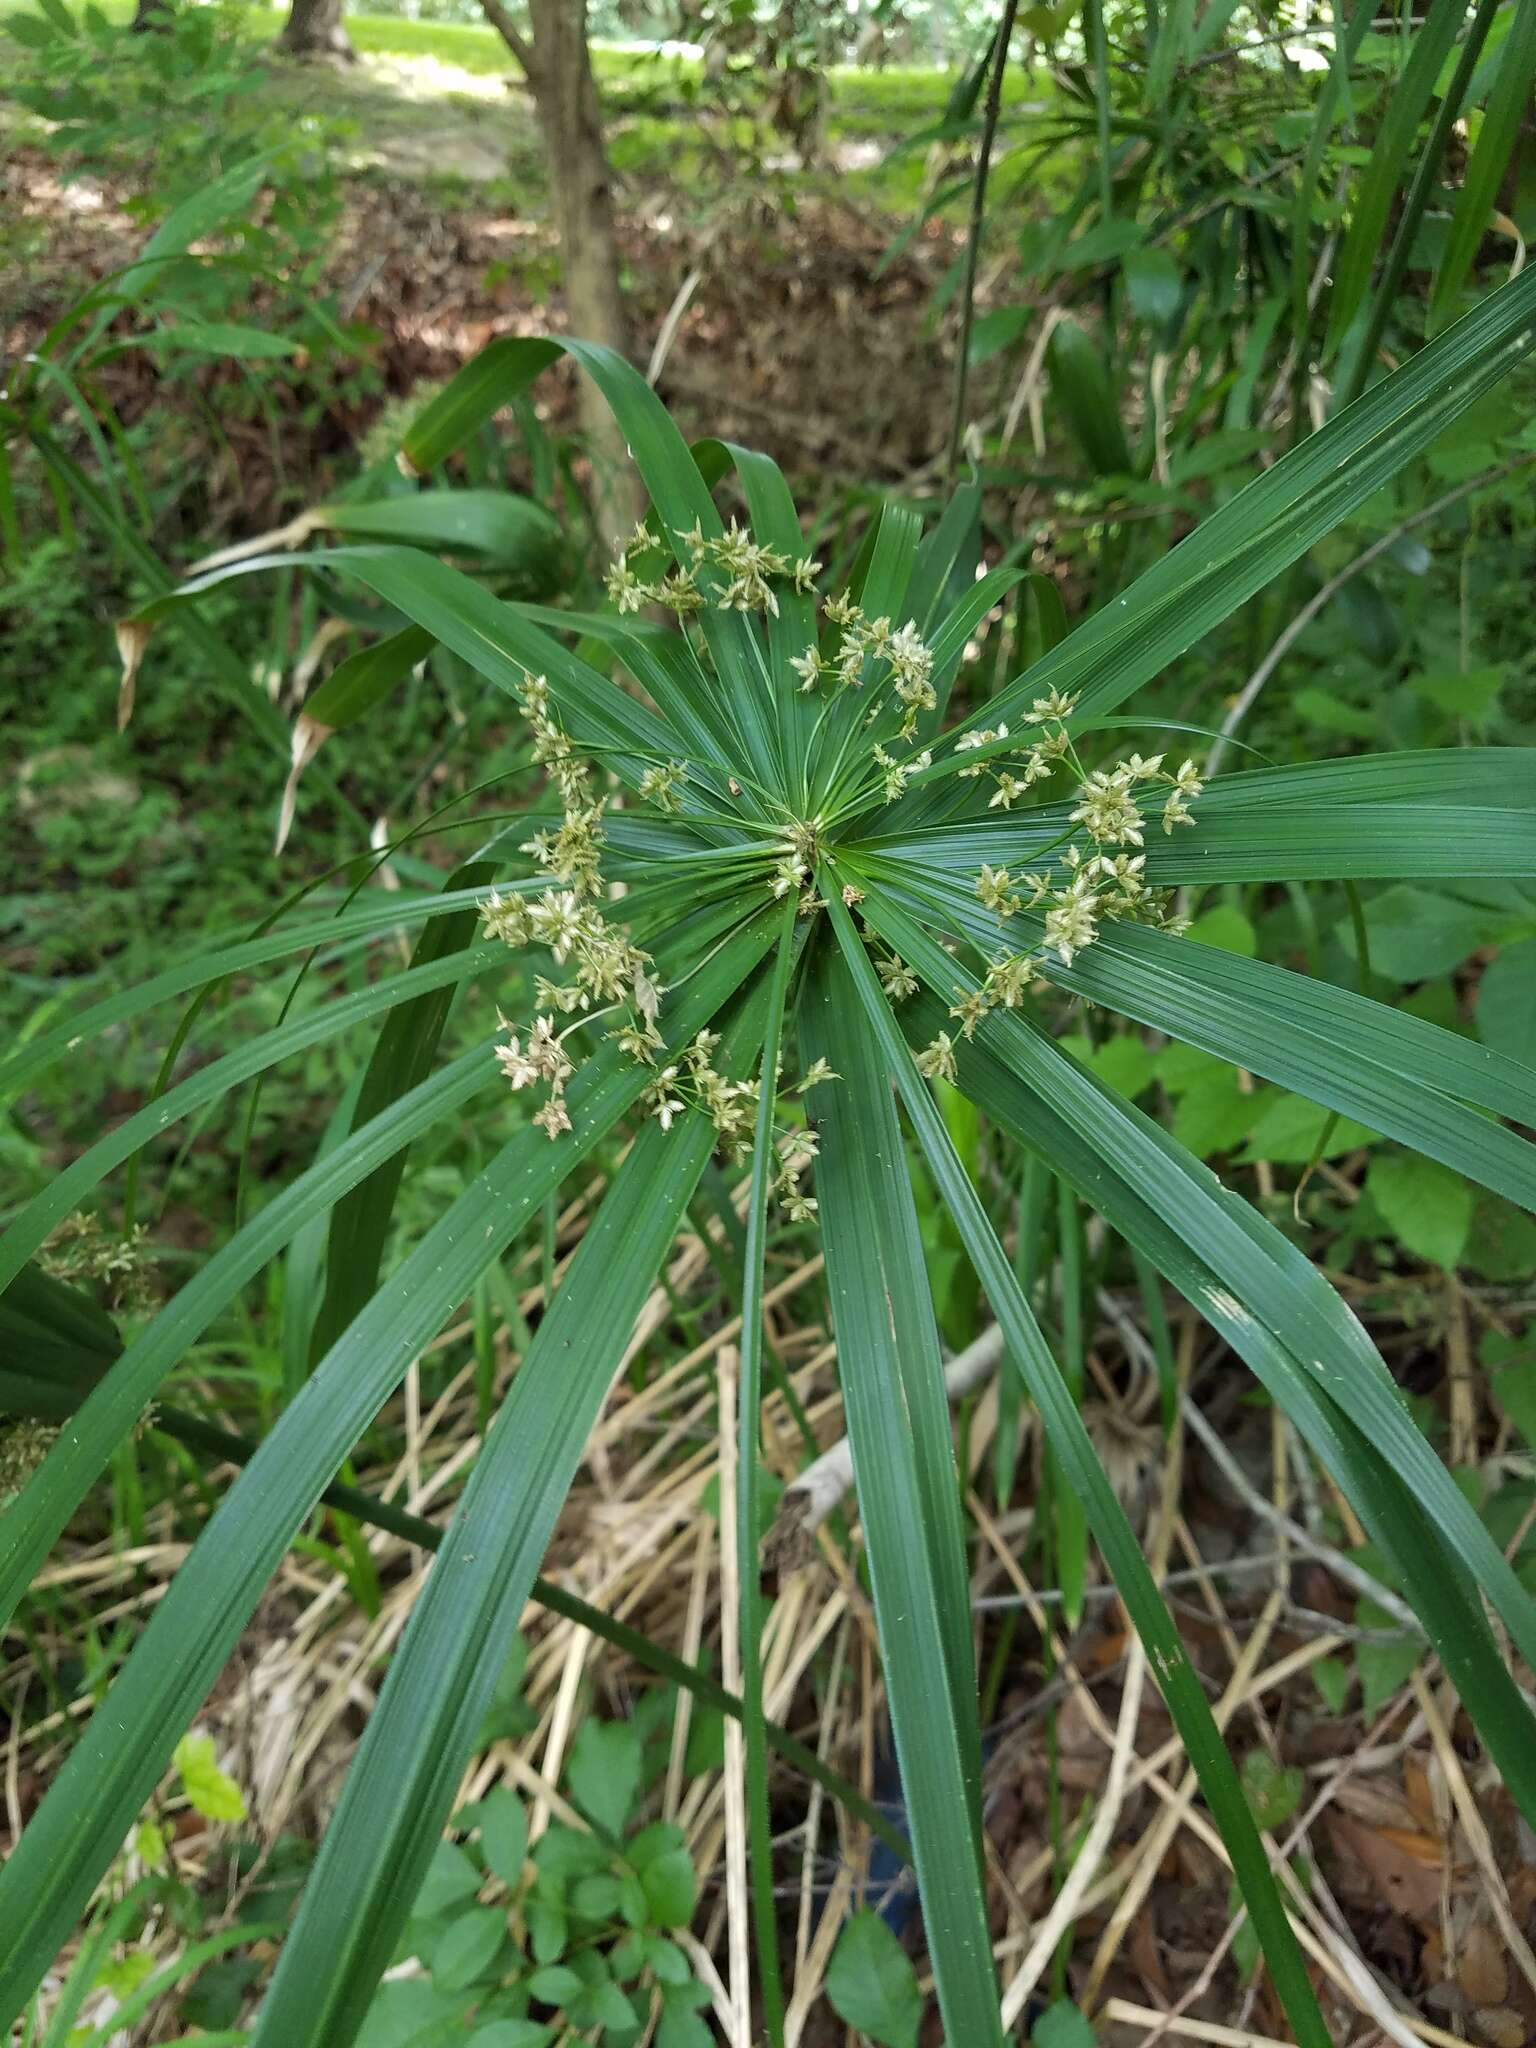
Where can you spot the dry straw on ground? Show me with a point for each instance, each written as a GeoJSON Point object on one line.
{"type": "Point", "coordinates": [1420, 1884]}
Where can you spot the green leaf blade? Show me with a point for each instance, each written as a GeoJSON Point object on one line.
{"type": "Point", "coordinates": [400, 1788]}
{"type": "Point", "coordinates": [898, 1425]}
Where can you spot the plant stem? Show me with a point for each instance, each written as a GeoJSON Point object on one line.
{"type": "Point", "coordinates": [1425, 173]}
{"type": "Point", "coordinates": [973, 245]}
{"type": "Point", "coordinates": [1093, 14]}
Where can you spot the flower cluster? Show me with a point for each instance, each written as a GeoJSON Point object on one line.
{"type": "Point", "coordinates": [572, 855]}
{"type": "Point", "coordinates": [608, 967]}
{"type": "Point", "coordinates": [660, 785]}
{"type": "Point", "coordinates": [1108, 805]}
{"type": "Point", "coordinates": [1098, 886]}
{"type": "Point", "coordinates": [1089, 886]}
{"type": "Point", "coordinates": [85, 1252]}
{"type": "Point", "coordinates": [608, 970]}
{"type": "Point", "coordinates": [733, 572]}
{"type": "Point", "coordinates": [692, 1082]}
{"type": "Point", "coordinates": [543, 1058]}
{"type": "Point", "coordinates": [796, 1153]}
{"type": "Point", "coordinates": [896, 977]}
{"type": "Point", "coordinates": [1112, 810]}
{"type": "Point", "coordinates": [25, 1441]}
{"type": "Point", "coordinates": [896, 773]}
{"type": "Point", "coordinates": [872, 650]}
{"type": "Point", "coordinates": [858, 755]}
{"type": "Point", "coordinates": [797, 849]}
{"type": "Point", "coordinates": [23, 1446]}
{"type": "Point", "coordinates": [1009, 978]}
{"type": "Point", "coordinates": [605, 970]}
{"type": "Point", "coordinates": [936, 1062]}
{"type": "Point", "coordinates": [745, 571]}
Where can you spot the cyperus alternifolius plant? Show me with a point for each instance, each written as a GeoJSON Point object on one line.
{"type": "Point", "coordinates": [857, 761]}
{"type": "Point", "coordinates": [773, 853]}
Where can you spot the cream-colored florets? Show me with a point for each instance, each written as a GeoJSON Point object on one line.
{"type": "Point", "coordinates": [896, 978]}
{"type": "Point", "coordinates": [1111, 808]}
{"type": "Point", "coordinates": [84, 1251]}
{"type": "Point", "coordinates": [873, 746]}
{"type": "Point", "coordinates": [23, 1447]}
{"type": "Point", "coordinates": [936, 1062]}
{"type": "Point", "coordinates": [662, 786]}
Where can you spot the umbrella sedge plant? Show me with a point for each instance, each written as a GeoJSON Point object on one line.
{"type": "Point", "coordinates": [833, 894]}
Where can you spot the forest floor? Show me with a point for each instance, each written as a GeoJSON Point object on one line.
{"type": "Point", "coordinates": [807, 328]}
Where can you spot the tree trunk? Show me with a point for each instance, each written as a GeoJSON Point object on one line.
{"type": "Point", "coordinates": [314, 30]}
{"type": "Point", "coordinates": [558, 67]}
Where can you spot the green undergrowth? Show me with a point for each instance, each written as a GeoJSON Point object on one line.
{"type": "Point", "coordinates": [126, 850]}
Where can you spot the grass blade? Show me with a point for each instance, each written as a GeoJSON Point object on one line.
{"type": "Point", "coordinates": [230, 957]}
{"type": "Point", "coordinates": [1457, 813]}
{"type": "Point", "coordinates": [1347, 39]}
{"type": "Point", "coordinates": [1426, 172]}
{"type": "Point", "coordinates": [206, 1084]}
{"type": "Point", "coordinates": [671, 475]}
{"type": "Point", "coordinates": [1345, 1050]}
{"type": "Point", "coordinates": [82, 1821]}
{"type": "Point", "coordinates": [898, 1426]}
{"type": "Point", "coordinates": [1507, 107]}
{"type": "Point", "coordinates": [1263, 1295]}
{"type": "Point", "coordinates": [1028, 1352]}
{"type": "Point", "coordinates": [57, 1312]}
{"type": "Point", "coordinates": [1428, 48]}
{"type": "Point", "coordinates": [749, 1451]}
{"type": "Point", "coordinates": [1426, 1563]}
{"type": "Point", "coordinates": [401, 1059]}
{"type": "Point", "coordinates": [402, 1781]}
